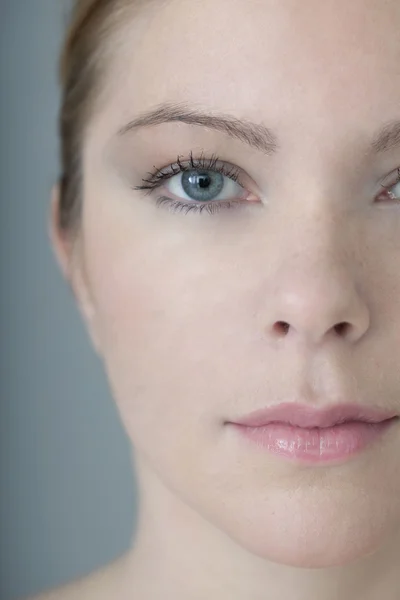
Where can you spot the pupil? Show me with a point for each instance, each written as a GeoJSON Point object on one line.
{"type": "Point", "coordinates": [202, 180]}
{"type": "Point", "coordinates": [202, 185]}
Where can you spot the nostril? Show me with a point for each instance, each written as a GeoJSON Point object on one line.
{"type": "Point", "coordinates": [281, 327]}
{"type": "Point", "coordinates": [342, 328]}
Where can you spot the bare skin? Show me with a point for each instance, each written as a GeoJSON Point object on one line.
{"type": "Point", "coordinates": [182, 308]}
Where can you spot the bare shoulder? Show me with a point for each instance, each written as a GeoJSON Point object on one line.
{"type": "Point", "coordinates": [102, 584]}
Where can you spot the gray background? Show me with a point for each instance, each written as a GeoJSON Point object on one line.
{"type": "Point", "coordinates": [66, 489]}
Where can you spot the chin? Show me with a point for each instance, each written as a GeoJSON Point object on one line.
{"type": "Point", "coordinates": [308, 551]}
{"type": "Point", "coordinates": [310, 534]}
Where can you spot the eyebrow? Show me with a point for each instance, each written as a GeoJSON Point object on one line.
{"type": "Point", "coordinates": [256, 135]}
{"type": "Point", "coordinates": [387, 139]}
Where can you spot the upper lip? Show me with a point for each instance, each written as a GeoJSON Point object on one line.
{"type": "Point", "coordinates": [306, 416]}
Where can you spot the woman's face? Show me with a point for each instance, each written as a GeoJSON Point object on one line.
{"type": "Point", "coordinates": [185, 306]}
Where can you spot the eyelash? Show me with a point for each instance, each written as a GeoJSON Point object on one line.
{"type": "Point", "coordinates": [159, 176]}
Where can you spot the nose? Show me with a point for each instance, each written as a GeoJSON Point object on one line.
{"type": "Point", "coordinates": [313, 317]}
{"type": "Point", "coordinates": [317, 295]}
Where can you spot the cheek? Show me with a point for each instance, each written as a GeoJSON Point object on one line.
{"type": "Point", "coordinates": [171, 327]}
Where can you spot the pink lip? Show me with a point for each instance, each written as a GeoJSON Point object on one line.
{"type": "Point", "coordinates": [300, 415]}
{"type": "Point", "coordinates": [315, 435]}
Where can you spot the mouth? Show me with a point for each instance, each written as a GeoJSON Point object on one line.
{"type": "Point", "coordinates": [309, 435]}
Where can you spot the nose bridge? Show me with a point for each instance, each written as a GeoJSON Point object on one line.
{"type": "Point", "coordinates": [317, 277]}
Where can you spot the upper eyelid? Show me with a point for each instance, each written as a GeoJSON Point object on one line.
{"type": "Point", "coordinates": [210, 163]}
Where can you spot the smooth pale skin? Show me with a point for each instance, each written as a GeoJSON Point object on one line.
{"type": "Point", "coordinates": [183, 308]}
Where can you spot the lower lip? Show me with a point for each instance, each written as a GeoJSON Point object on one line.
{"type": "Point", "coordinates": [316, 445]}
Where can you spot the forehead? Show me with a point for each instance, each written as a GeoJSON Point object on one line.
{"type": "Point", "coordinates": [283, 62]}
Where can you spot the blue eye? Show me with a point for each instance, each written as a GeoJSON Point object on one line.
{"type": "Point", "coordinates": [203, 186]}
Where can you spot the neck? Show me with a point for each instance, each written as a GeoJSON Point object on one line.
{"type": "Point", "coordinates": [193, 559]}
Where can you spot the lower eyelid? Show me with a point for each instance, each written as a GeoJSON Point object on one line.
{"type": "Point", "coordinates": [178, 206]}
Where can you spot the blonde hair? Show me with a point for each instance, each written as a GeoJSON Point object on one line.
{"type": "Point", "coordinates": [82, 65]}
